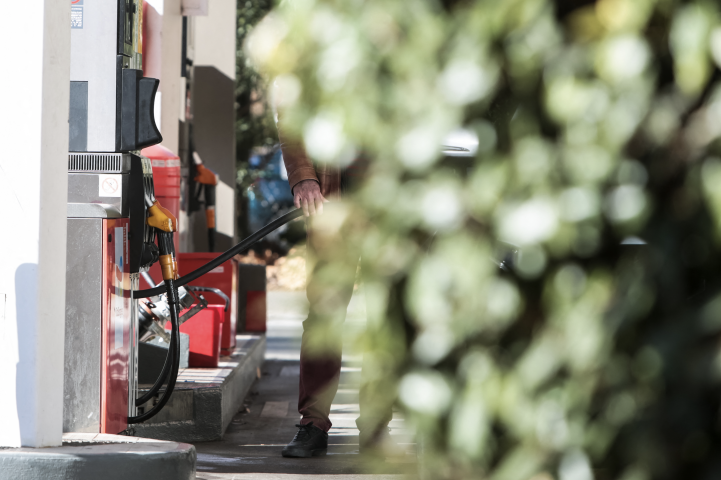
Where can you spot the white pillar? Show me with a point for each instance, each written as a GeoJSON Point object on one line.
{"type": "Point", "coordinates": [172, 85]}
{"type": "Point", "coordinates": [34, 99]}
{"type": "Point", "coordinates": [215, 37]}
{"type": "Point", "coordinates": [166, 63]}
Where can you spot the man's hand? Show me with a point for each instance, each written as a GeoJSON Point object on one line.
{"type": "Point", "coordinates": [306, 194]}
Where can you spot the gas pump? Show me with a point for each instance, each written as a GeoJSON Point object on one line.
{"type": "Point", "coordinates": [113, 220]}
{"type": "Point", "coordinates": [112, 214]}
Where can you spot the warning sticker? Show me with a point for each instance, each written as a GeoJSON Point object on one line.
{"type": "Point", "coordinates": [76, 14]}
{"type": "Point", "coordinates": [110, 185]}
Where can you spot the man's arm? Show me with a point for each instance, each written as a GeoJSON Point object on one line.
{"type": "Point", "coordinates": [297, 163]}
{"type": "Point", "coordinates": [301, 176]}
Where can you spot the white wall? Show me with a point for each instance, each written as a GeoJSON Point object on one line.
{"type": "Point", "coordinates": [225, 209]}
{"type": "Point", "coordinates": [170, 80]}
{"type": "Point", "coordinates": [214, 44]}
{"type": "Point", "coordinates": [163, 63]}
{"type": "Point", "coordinates": [215, 37]}
{"type": "Point", "coordinates": [33, 207]}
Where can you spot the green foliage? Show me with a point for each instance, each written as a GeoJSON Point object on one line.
{"type": "Point", "coordinates": [590, 359]}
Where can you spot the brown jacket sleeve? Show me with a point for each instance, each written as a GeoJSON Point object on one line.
{"type": "Point", "coordinates": [296, 160]}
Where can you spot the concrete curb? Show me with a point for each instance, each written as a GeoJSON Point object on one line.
{"type": "Point", "coordinates": [89, 456]}
{"type": "Point", "coordinates": [200, 410]}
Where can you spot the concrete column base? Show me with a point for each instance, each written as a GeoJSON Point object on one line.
{"type": "Point", "coordinates": [91, 456]}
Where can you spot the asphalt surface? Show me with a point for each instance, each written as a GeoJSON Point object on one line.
{"type": "Point", "coordinates": [251, 447]}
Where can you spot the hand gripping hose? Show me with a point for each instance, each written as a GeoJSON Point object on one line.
{"type": "Point", "coordinates": [172, 360]}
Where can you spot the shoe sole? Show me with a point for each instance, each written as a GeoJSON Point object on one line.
{"type": "Point", "coordinates": [298, 453]}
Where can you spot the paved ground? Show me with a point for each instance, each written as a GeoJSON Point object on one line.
{"type": "Point", "coordinates": [252, 444]}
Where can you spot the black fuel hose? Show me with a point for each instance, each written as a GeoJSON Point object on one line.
{"type": "Point", "coordinates": [172, 359]}
{"type": "Point", "coordinates": [173, 356]}
{"type": "Point", "coordinates": [167, 366]}
{"type": "Point", "coordinates": [163, 377]}
{"type": "Point", "coordinates": [227, 255]}
{"type": "Point", "coordinates": [166, 246]}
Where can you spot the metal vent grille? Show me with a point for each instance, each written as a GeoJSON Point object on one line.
{"type": "Point", "coordinates": [98, 162]}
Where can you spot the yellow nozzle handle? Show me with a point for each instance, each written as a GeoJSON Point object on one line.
{"type": "Point", "coordinates": [161, 218]}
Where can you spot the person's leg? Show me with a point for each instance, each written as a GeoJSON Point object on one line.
{"type": "Point", "coordinates": [377, 394]}
{"type": "Point", "coordinates": [376, 400]}
{"type": "Point", "coordinates": [329, 290]}
{"type": "Point", "coordinates": [389, 337]}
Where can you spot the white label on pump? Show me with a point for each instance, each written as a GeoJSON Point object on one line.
{"type": "Point", "coordinates": [118, 277]}
{"type": "Point", "coordinates": [219, 269]}
{"type": "Point", "coordinates": [110, 185]}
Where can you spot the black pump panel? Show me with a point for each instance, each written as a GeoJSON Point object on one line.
{"type": "Point", "coordinates": [148, 133]}
{"type": "Point", "coordinates": [138, 129]}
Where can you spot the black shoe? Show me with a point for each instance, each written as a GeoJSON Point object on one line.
{"type": "Point", "coordinates": [310, 441]}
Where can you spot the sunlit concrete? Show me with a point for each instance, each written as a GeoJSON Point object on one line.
{"type": "Point", "coordinates": [90, 456]}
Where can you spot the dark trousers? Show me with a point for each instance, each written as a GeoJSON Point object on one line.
{"type": "Point", "coordinates": [329, 289]}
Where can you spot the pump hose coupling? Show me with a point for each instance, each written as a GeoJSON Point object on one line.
{"type": "Point", "coordinates": [172, 360]}
{"type": "Point", "coordinates": [168, 264]}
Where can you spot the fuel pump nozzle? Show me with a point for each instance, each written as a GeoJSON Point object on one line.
{"type": "Point", "coordinates": [165, 225]}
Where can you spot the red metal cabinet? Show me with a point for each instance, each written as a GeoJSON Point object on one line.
{"type": "Point", "coordinates": [223, 277]}
{"type": "Point", "coordinates": [205, 330]}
